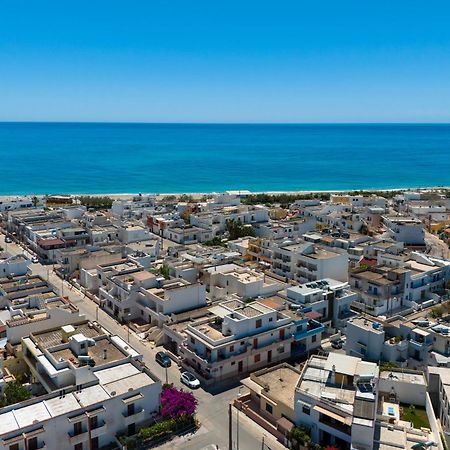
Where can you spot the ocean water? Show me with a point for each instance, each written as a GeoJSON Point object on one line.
{"type": "Point", "coordinates": [49, 158]}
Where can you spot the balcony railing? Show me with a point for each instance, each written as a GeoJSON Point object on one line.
{"type": "Point", "coordinates": [137, 416]}
{"type": "Point", "coordinates": [78, 438]}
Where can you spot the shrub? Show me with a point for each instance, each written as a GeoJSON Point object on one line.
{"type": "Point", "coordinates": [14, 393]}
{"type": "Point", "coordinates": [157, 429]}
{"type": "Point", "coordinates": [176, 403]}
{"type": "Point", "coordinates": [301, 435]}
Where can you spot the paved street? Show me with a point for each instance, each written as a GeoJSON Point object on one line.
{"type": "Point", "coordinates": [212, 408]}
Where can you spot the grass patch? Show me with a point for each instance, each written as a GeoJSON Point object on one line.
{"type": "Point", "coordinates": [416, 415]}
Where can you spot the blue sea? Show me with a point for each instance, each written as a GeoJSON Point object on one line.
{"type": "Point", "coordinates": [50, 158]}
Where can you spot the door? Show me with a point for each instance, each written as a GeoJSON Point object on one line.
{"type": "Point", "coordinates": [269, 356]}
{"type": "Point", "coordinates": [131, 429]}
{"type": "Point", "coordinates": [240, 366]}
{"type": "Point", "coordinates": [94, 443]}
{"type": "Point", "coordinates": [32, 443]}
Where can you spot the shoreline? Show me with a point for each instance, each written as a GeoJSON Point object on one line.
{"type": "Point", "coordinates": [159, 195]}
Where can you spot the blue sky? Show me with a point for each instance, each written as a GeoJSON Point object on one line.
{"type": "Point", "coordinates": [225, 61]}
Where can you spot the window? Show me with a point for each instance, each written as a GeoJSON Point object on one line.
{"type": "Point", "coordinates": [78, 447]}
{"type": "Point", "coordinates": [259, 323]}
{"type": "Point", "coordinates": [306, 410]}
{"type": "Point", "coordinates": [270, 319]}
{"type": "Point", "coordinates": [231, 348]}
{"type": "Point", "coordinates": [314, 338]}
{"type": "Point", "coordinates": [233, 363]}
{"type": "Point", "coordinates": [192, 340]}
{"type": "Point", "coordinates": [130, 409]}
{"type": "Point", "coordinates": [281, 349]}
{"type": "Point", "coordinates": [77, 429]}
{"type": "Point", "coordinates": [94, 443]}
{"type": "Point", "coordinates": [257, 358]}
{"type": "Point", "coordinates": [93, 422]}
{"type": "Point", "coordinates": [269, 408]}
{"type": "Point", "coordinates": [14, 447]}
{"type": "Point", "coordinates": [32, 443]}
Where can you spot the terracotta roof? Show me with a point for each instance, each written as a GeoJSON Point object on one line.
{"type": "Point", "coordinates": [270, 303]}
{"type": "Point", "coordinates": [368, 262]}
{"type": "Point", "coordinates": [45, 242]}
{"type": "Point", "coordinates": [313, 315]}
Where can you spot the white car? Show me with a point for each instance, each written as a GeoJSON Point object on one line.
{"type": "Point", "coordinates": [34, 260]}
{"type": "Point", "coordinates": [190, 380]}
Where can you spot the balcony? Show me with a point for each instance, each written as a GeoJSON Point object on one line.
{"type": "Point", "coordinates": [136, 417]}
{"type": "Point", "coordinates": [77, 438]}
{"type": "Point", "coordinates": [420, 345]}
{"type": "Point", "coordinates": [100, 430]}
{"type": "Point", "coordinates": [312, 329]}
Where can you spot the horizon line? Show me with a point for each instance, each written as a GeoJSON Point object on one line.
{"type": "Point", "coordinates": [209, 123]}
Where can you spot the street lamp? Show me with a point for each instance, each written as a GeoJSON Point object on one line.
{"type": "Point", "coordinates": [237, 419]}
{"type": "Point", "coordinates": [128, 327]}
{"type": "Point", "coordinates": [62, 282]}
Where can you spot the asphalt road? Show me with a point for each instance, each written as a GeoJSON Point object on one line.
{"type": "Point", "coordinates": [212, 406]}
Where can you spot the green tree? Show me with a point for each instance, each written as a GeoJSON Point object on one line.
{"type": "Point", "coordinates": [165, 271]}
{"type": "Point", "coordinates": [185, 198]}
{"type": "Point", "coordinates": [236, 229]}
{"type": "Point", "coordinates": [96, 202]}
{"type": "Point", "coordinates": [35, 201]}
{"type": "Point", "coordinates": [14, 393]}
{"type": "Point", "coordinates": [301, 435]}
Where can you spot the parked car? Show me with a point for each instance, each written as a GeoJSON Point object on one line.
{"type": "Point", "coordinates": [8, 240]}
{"type": "Point", "coordinates": [190, 380]}
{"type": "Point", "coordinates": [34, 260]}
{"type": "Point", "coordinates": [337, 344]}
{"type": "Point", "coordinates": [163, 359]}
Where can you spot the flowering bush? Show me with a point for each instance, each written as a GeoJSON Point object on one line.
{"type": "Point", "coordinates": [176, 403]}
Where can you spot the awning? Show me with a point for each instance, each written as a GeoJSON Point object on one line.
{"type": "Point", "coordinates": [285, 424]}
{"type": "Point", "coordinates": [421, 332]}
{"type": "Point", "coordinates": [132, 399]}
{"type": "Point", "coordinates": [326, 412]}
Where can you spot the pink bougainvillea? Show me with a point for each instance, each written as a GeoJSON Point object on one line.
{"type": "Point", "coordinates": [177, 403]}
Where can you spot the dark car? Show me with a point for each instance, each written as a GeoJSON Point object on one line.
{"type": "Point", "coordinates": [337, 344]}
{"type": "Point", "coordinates": [163, 359]}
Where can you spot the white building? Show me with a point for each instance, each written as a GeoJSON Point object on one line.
{"type": "Point", "coordinates": [336, 397]}
{"type": "Point", "coordinates": [13, 265]}
{"type": "Point", "coordinates": [226, 279]}
{"type": "Point", "coordinates": [331, 299]}
{"type": "Point", "coordinates": [239, 338]}
{"type": "Point", "coordinates": [97, 387]}
{"type": "Point", "coordinates": [134, 233]}
{"type": "Point", "coordinates": [305, 262]}
{"type": "Point", "coordinates": [408, 230]}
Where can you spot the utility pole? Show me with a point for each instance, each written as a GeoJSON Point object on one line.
{"type": "Point", "coordinates": [230, 428]}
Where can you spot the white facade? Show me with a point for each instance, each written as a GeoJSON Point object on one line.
{"type": "Point", "coordinates": [241, 338]}
{"type": "Point", "coordinates": [13, 265]}
{"type": "Point", "coordinates": [408, 230]}
{"type": "Point", "coordinates": [90, 415]}
{"type": "Point", "coordinates": [305, 262]}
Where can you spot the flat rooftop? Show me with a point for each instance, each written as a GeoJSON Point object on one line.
{"type": "Point", "coordinates": [103, 352]}
{"type": "Point", "coordinates": [54, 337]}
{"type": "Point", "coordinates": [112, 382]}
{"type": "Point", "coordinates": [278, 383]}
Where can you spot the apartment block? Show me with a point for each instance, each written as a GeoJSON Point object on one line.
{"type": "Point", "coordinates": [238, 338]}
